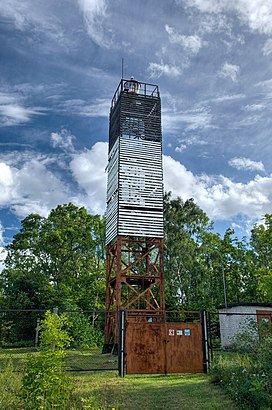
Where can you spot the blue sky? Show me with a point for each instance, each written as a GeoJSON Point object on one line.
{"type": "Point", "coordinates": [61, 63]}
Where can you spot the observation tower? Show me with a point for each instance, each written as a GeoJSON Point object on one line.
{"type": "Point", "coordinates": [134, 215]}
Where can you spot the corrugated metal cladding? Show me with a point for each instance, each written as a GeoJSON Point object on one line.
{"type": "Point", "coordinates": [135, 180]}
{"type": "Point", "coordinates": [135, 189]}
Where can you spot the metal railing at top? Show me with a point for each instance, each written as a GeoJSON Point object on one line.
{"type": "Point", "coordinates": [137, 88]}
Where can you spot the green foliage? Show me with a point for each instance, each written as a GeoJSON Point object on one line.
{"type": "Point", "coordinates": [56, 261]}
{"type": "Point", "coordinates": [247, 377]}
{"type": "Point", "coordinates": [198, 261]}
{"type": "Point", "coordinates": [60, 261]}
{"type": "Point", "coordinates": [44, 384]}
{"type": "Point", "coordinates": [82, 332]}
{"type": "Point", "coordinates": [5, 328]}
{"type": "Point", "coordinates": [247, 341]}
{"type": "Point", "coordinates": [261, 256]}
{"type": "Point", "coordinates": [90, 403]}
{"type": "Point", "coordinates": [53, 333]}
{"type": "Point", "coordinates": [184, 222]}
{"type": "Point", "coordinates": [9, 387]}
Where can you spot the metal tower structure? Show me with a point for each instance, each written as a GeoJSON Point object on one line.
{"type": "Point", "coordinates": [134, 216]}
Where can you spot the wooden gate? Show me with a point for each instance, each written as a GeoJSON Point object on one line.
{"type": "Point", "coordinates": [164, 348]}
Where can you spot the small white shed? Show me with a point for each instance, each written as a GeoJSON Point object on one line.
{"type": "Point", "coordinates": [235, 318]}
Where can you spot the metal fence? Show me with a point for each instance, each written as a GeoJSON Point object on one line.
{"type": "Point", "coordinates": [236, 331]}
{"type": "Point", "coordinates": [222, 332]}
{"type": "Point", "coordinates": [19, 336]}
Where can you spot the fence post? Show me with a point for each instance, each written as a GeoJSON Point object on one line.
{"type": "Point", "coordinates": [56, 311]}
{"type": "Point", "coordinates": [121, 344]}
{"type": "Point", "coordinates": [206, 363]}
{"type": "Point", "coordinates": [37, 332]}
{"type": "Point", "coordinates": [210, 336]}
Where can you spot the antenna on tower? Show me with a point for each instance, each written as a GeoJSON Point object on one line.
{"type": "Point", "coordinates": [122, 68]}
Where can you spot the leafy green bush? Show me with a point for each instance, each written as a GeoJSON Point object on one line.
{"type": "Point", "coordinates": [247, 375]}
{"type": "Point", "coordinates": [44, 384]}
{"type": "Point", "coordinates": [82, 332]}
{"type": "Point", "coordinates": [247, 340]}
{"type": "Point", "coordinates": [54, 333]}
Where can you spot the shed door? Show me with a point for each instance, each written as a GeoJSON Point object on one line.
{"type": "Point", "coordinates": [264, 317]}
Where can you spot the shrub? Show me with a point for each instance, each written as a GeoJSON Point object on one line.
{"type": "Point", "coordinates": [44, 384]}
{"type": "Point", "coordinates": [247, 340]}
{"type": "Point", "coordinates": [82, 332]}
{"type": "Point", "coordinates": [9, 387]}
{"type": "Point", "coordinates": [247, 375]}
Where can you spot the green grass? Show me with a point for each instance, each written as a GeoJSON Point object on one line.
{"type": "Point", "coordinates": [76, 360]}
{"type": "Point", "coordinates": [183, 392]}
{"type": "Point", "coordinates": [105, 390]}
{"type": "Point", "coordinates": [90, 359]}
{"type": "Point", "coordinates": [18, 356]}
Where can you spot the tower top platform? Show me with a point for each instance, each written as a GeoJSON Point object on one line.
{"type": "Point", "coordinates": [136, 87]}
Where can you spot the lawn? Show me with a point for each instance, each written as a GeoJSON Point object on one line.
{"type": "Point", "coordinates": [182, 392]}
{"type": "Point", "coordinates": [76, 359]}
{"type": "Point", "coordinates": [105, 390]}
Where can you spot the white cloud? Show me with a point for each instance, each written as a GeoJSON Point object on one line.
{"type": "Point", "coordinates": [37, 189]}
{"type": "Point", "coordinates": [196, 118]}
{"type": "Point", "coordinates": [267, 48]}
{"type": "Point", "coordinates": [38, 17]}
{"type": "Point", "coordinates": [31, 182]}
{"type": "Point", "coordinates": [157, 70]}
{"type": "Point", "coordinates": [30, 187]}
{"type": "Point", "coordinates": [13, 112]}
{"type": "Point", "coordinates": [190, 140]}
{"type": "Point", "coordinates": [64, 139]}
{"type": "Point", "coordinates": [190, 43]}
{"type": "Point", "coordinates": [206, 6]}
{"type": "Point", "coordinates": [94, 14]}
{"type": "Point", "coordinates": [246, 164]}
{"type": "Point", "coordinates": [229, 71]}
{"type": "Point", "coordinates": [254, 107]}
{"type": "Point", "coordinates": [224, 98]}
{"type": "Point", "coordinates": [3, 254]}
{"type": "Point", "coordinates": [257, 14]}
{"type": "Point", "coordinates": [267, 84]}
{"type": "Point", "coordinates": [99, 108]}
{"type": "Point", "coordinates": [218, 196]}
{"type": "Point", "coordinates": [1, 236]}
{"type": "Point", "coordinates": [88, 169]}
{"type": "Point", "coordinates": [17, 11]}
{"type": "Point", "coordinates": [6, 183]}
{"type": "Point", "coordinates": [181, 148]}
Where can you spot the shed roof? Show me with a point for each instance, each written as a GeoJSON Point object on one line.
{"type": "Point", "coordinates": [257, 304]}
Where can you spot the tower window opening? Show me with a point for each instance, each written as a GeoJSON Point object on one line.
{"type": "Point", "coordinates": [134, 127]}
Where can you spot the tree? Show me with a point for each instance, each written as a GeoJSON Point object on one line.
{"type": "Point", "coordinates": [184, 224]}
{"type": "Point", "coordinates": [56, 261]}
{"type": "Point", "coordinates": [261, 259]}
{"type": "Point", "coordinates": [198, 262]}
